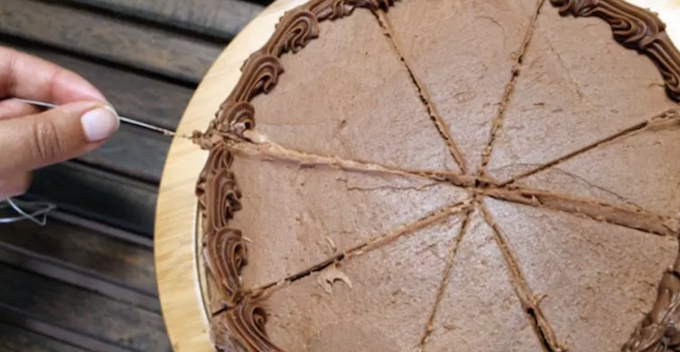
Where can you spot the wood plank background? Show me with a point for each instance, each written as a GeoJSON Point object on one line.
{"type": "Point", "coordinates": [86, 281]}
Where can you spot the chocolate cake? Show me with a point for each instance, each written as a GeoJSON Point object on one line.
{"type": "Point", "coordinates": [488, 175]}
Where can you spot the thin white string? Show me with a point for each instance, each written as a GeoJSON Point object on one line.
{"type": "Point", "coordinates": [38, 216]}
{"type": "Point", "coordinates": [122, 118]}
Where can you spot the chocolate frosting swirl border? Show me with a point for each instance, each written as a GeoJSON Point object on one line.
{"type": "Point", "coordinates": [241, 326]}
{"type": "Point", "coordinates": [634, 28]}
{"type": "Point", "coordinates": [658, 331]}
{"type": "Point", "coordinates": [260, 72]}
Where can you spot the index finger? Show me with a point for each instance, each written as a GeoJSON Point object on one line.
{"type": "Point", "coordinates": [28, 77]}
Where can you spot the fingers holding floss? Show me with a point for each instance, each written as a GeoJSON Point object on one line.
{"type": "Point", "coordinates": [38, 140]}
{"type": "Point", "coordinates": [54, 136]}
{"type": "Point", "coordinates": [31, 138]}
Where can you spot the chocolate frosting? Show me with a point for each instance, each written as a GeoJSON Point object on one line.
{"type": "Point", "coordinates": [225, 250]}
{"type": "Point", "coordinates": [218, 199]}
{"type": "Point", "coordinates": [218, 195]}
{"type": "Point", "coordinates": [225, 253]}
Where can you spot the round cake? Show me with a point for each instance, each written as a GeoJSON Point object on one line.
{"type": "Point", "coordinates": [487, 175]}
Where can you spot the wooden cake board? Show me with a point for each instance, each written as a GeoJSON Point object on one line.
{"type": "Point", "coordinates": [177, 249]}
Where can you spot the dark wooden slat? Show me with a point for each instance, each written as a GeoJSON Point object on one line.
{"type": "Point", "coordinates": [102, 229]}
{"type": "Point", "coordinates": [108, 257]}
{"type": "Point", "coordinates": [134, 152]}
{"type": "Point", "coordinates": [114, 200]}
{"type": "Point", "coordinates": [142, 98]}
{"type": "Point", "coordinates": [144, 47]}
{"type": "Point", "coordinates": [27, 321]}
{"type": "Point", "coordinates": [13, 338]}
{"type": "Point", "coordinates": [218, 18]}
{"type": "Point", "coordinates": [84, 312]}
{"type": "Point", "coordinates": [68, 273]}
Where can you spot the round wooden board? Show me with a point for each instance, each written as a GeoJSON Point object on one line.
{"type": "Point", "coordinates": [178, 267]}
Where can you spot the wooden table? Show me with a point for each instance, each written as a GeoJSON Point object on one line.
{"type": "Point", "coordinates": [178, 261]}
{"type": "Point", "coordinates": [86, 282]}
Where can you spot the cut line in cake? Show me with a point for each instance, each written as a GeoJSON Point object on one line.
{"type": "Point", "coordinates": [659, 121]}
{"type": "Point", "coordinates": [423, 94]}
{"type": "Point", "coordinates": [432, 218]}
{"type": "Point", "coordinates": [497, 121]}
{"type": "Point", "coordinates": [530, 301]}
{"type": "Point", "coordinates": [446, 274]}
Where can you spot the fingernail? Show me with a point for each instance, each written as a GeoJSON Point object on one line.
{"type": "Point", "coordinates": [100, 123]}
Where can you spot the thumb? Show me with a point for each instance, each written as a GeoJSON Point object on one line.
{"type": "Point", "coordinates": [63, 133]}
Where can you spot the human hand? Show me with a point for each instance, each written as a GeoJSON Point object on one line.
{"type": "Point", "coordinates": [31, 139]}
